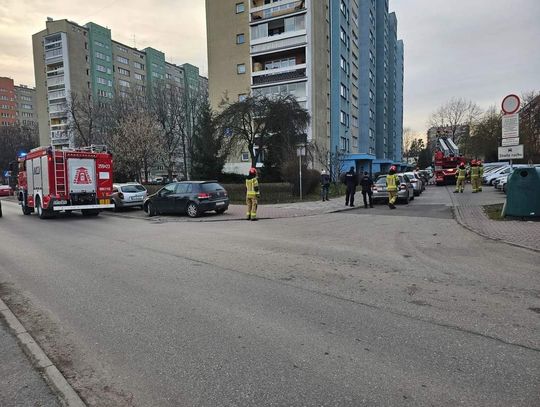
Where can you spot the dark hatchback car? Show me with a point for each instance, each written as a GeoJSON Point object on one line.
{"type": "Point", "coordinates": [190, 197]}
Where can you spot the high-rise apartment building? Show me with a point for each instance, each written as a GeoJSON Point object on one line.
{"type": "Point", "coordinates": [17, 104]}
{"type": "Point", "coordinates": [340, 58]}
{"type": "Point", "coordinates": [85, 60]}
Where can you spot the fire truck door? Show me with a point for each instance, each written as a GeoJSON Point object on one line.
{"type": "Point", "coordinates": [45, 175]}
{"type": "Point", "coordinates": [30, 176]}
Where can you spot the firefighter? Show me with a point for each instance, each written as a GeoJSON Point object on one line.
{"type": "Point", "coordinates": [392, 184]}
{"type": "Point", "coordinates": [252, 194]}
{"type": "Point", "coordinates": [460, 179]}
{"type": "Point", "coordinates": [474, 176]}
{"type": "Point", "coordinates": [480, 174]}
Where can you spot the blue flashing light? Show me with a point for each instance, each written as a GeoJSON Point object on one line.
{"type": "Point", "coordinates": [22, 154]}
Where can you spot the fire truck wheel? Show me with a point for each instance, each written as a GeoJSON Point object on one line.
{"type": "Point", "coordinates": [0, 210]}
{"type": "Point", "coordinates": [42, 213]}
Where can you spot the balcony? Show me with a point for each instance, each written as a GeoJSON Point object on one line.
{"type": "Point", "coordinates": [270, 76]}
{"type": "Point", "coordinates": [261, 11]}
{"type": "Point", "coordinates": [277, 42]}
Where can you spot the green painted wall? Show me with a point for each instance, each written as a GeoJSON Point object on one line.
{"type": "Point", "coordinates": [99, 41]}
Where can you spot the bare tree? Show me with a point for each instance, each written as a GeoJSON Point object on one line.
{"type": "Point", "coordinates": [455, 113]}
{"type": "Point", "coordinates": [88, 118]}
{"type": "Point", "coordinates": [331, 161]}
{"type": "Point", "coordinates": [529, 126]}
{"type": "Point", "coordinates": [408, 137]}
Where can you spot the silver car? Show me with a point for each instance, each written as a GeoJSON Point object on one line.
{"type": "Point", "coordinates": [417, 183]}
{"type": "Point", "coordinates": [405, 191]}
{"type": "Point", "coordinates": [128, 195]}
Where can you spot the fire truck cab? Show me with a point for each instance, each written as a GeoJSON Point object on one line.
{"type": "Point", "coordinates": [53, 181]}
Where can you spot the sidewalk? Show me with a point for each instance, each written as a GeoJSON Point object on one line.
{"type": "Point", "coordinates": [469, 213]}
{"type": "Point", "coordinates": [20, 383]}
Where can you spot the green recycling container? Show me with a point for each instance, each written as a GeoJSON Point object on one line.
{"type": "Point", "coordinates": [523, 193]}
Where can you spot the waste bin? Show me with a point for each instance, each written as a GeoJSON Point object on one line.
{"type": "Point", "coordinates": [523, 193]}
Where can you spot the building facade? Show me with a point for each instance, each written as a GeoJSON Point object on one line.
{"type": "Point", "coordinates": [340, 58]}
{"type": "Point", "coordinates": [17, 104]}
{"type": "Point", "coordinates": [85, 60]}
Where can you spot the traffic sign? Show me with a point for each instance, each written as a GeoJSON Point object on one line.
{"type": "Point", "coordinates": [510, 126]}
{"type": "Point", "coordinates": [511, 153]}
{"type": "Point", "coordinates": [510, 104]}
{"type": "Point", "coordinates": [514, 141]}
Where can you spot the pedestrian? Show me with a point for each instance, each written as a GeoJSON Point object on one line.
{"type": "Point", "coordinates": [325, 185]}
{"type": "Point", "coordinates": [480, 174]}
{"type": "Point", "coordinates": [474, 175]}
{"type": "Point", "coordinates": [461, 173]}
{"type": "Point", "coordinates": [252, 194]}
{"type": "Point", "coordinates": [367, 183]}
{"type": "Point", "coordinates": [392, 183]}
{"type": "Point", "coordinates": [351, 181]}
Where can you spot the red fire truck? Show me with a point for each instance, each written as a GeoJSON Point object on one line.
{"type": "Point", "coordinates": [52, 181]}
{"type": "Point", "coordinates": [447, 159]}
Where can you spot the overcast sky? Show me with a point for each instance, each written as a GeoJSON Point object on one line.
{"type": "Point", "coordinates": [476, 49]}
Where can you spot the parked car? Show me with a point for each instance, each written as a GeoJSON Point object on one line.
{"type": "Point", "coordinates": [6, 190]}
{"type": "Point", "coordinates": [405, 191]}
{"type": "Point", "coordinates": [190, 197]}
{"type": "Point", "coordinates": [498, 183]}
{"type": "Point", "coordinates": [128, 195]}
{"type": "Point", "coordinates": [417, 183]}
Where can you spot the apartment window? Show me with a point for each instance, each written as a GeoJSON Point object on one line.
{"type": "Point", "coordinates": [370, 95]}
{"type": "Point", "coordinates": [343, 36]}
{"type": "Point", "coordinates": [240, 38]}
{"type": "Point", "coordinates": [343, 117]}
{"type": "Point", "coordinates": [245, 157]}
{"type": "Point", "coordinates": [101, 68]}
{"type": "Point", "coordinates": [371, 134]}
{"type": "Point", "coordinates": [242, 97]}
{"type": "Point", "coordinates": [103, 81]}
{"type": "Point", "coordinates": [123, 71]}
{"type": "Point", "coordinates": [240, 8]}
{"type": "Point", "coordinates": [355, 121]}
{"type": "Point", "coordinates": [240, 69]}
{"type": "Point", "coordinates": [138, 65]}
{"type": "Point", "coordinates": [141, 88]}
{"type": "Point", "coordinates": [102, 56]}
{"type": "Point", "coordinates": [343, 64]}
{"type": "Point", "coordinates": [123, 83]}
{"type": "Point", "coordinates": [280, 63]}
{"type": "Point", "coordinates": [99, 44]}
{"type": "Point", "coordinates": [122, 60]}
{"type": "Point", "coordinates": [343, 91]}
{"type": "Point", "coordinates": [342, 7]}
{"type": "Point", "coordinates": [343, 144]}
{"type": "Point", "coordinates": [121, 48]}
{"type": "Point", "coordinates": [138, 76]}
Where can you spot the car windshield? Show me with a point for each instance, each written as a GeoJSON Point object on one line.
{"type": "Point", "coordinates": [381, 180]}
{"type": "Point", "coordinates": [133, 188]}
{"type": "Point", "coordinates": [211, 187]}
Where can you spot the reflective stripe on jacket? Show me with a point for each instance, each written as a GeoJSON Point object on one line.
{"type": "Point", "coordinates": [461, 173]}
{"type": "Point", "coordinates": [252, 187]}
{"type": "Point", "coordinates": [392, 182]}
{"type": "Point", "coordinates": [475, 172]}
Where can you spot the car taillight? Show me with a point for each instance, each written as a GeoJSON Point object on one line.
{"type": "Point", "coordinates": [225, 193]}
{"type": "Point", "coordinates": [374, 188]}
{"type": "Point", "coordinates": [403, 187]}
{"type": "Point", "coordinates": [203, 195]}
{"type": "Point", "coordinates": [120, 195]}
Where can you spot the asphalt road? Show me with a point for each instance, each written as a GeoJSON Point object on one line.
{"type": "Point", "coordinates": [364, 308]}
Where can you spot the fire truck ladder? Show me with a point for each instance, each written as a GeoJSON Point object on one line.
{"type": "Point", "coordinates": [59, 172]}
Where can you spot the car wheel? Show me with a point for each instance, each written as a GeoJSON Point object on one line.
{"type": "Point", "coordinates": [0, 210]}
{"type": "Point", "coordinates": [192, 210]}
{"type": "Point", "coordinates": [150, 209]}
{"type": "Point", "coordinates": [221, 211]}
{"type": "Point", "coordinates": [116, 207]}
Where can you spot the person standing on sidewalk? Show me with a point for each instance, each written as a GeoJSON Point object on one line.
{"type": "Point", "coordinates": [351, 181]}
{"type": "Point", "coordinates": [392, 184]}
{"type": "Point", "coordinates": [460, 178]}
{"type": "Point", "coordinates": [252, 194]}
{"type": "Point", "coordinates": [367, 183]}
{"type": "Point", "coordinates": [480, 174]}
{"type": "Point", "coordinates": [325, 185]}
{"type": "Point", "coordinates": [474, 176]}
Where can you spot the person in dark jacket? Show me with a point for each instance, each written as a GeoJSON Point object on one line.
{"type": "Point", "coordinates": [367, 182]}
{"type": "Point", "coordinates": [351, 181]}
{"type": "Point", "coordinates": [325, 185]}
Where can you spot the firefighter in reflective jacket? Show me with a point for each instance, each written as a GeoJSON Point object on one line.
{"type": "Point", "coordinates": [392, 183]}
{"type": "Point", "coordinates": [475, 172]}
{"type": "Point", "coordinates": [480, 174]}
{"type": "Point", "coordinates": [461, 174]}
{"type": "Point", "coordinates": [252, 194]}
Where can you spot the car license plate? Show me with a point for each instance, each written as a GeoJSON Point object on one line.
{"type": "Point", "coordinates": [220, 203]}
{"type": "Point", "coordinates": [136, 198]}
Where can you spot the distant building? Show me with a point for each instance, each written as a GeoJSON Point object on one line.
{"type": "Point", "coordinates": [529, 128]}
{"type": "Point", "coordinates": [340, 58]}
{"type": "Point", "coordinates": [17, 104]}
{"type": "Point", "coordinates": [70, 58]}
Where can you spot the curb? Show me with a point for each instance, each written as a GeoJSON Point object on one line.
{"type": "Point", "coordinates": [459, 219]}
{"type": "Point", "coordinates": [67, 395]}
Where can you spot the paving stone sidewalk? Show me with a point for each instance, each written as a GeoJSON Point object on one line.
{"type": "Point", "coordinates": [468, 208]}
{"type": "Point", "coordinates": [20, 383]}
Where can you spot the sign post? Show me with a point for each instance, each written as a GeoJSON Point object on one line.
{"type": "Point", "coordinates": [300, 151]}
{"type": "Point", "coordinates": [510, 147]}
